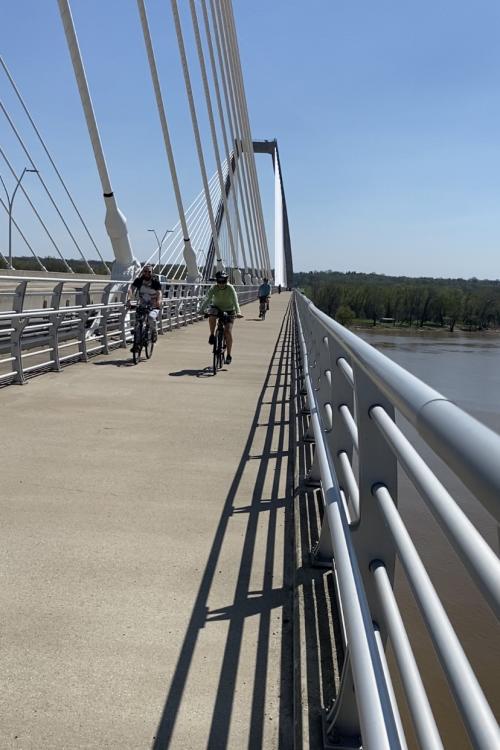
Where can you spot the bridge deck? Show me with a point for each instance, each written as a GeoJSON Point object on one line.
{"type": "Point", "coordinates": [145, 573]}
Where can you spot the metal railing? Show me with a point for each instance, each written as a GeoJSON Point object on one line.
{"type": "Point", "coordinates": [353, 394]}
{"type": "Point", "coordinates": [48, 322]}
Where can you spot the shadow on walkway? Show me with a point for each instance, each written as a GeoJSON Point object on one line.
{"type": "Point", "coordinates": [272, 431]}
{"type": "Point", "coordinates": [206, 372]}
{"type": "Point", "coordinates": [115, 363]}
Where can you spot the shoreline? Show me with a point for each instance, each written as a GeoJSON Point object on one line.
{"type": "Point", "coordinates": [425, 331]}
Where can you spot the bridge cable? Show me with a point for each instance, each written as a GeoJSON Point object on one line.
{"type": "Point", "coordinates": [239, 167]}
{"type": "Point", "coordinates": [47, 191]}
{"type": "Point", "coordinates": [246, 119]}
{"type": "Point", "coordinates": [232, 181]}
{"type": "Point", "coordinates": [246, 125]}
{"type": "Point", "coordinates": [24, 238]}
{"type": "Point", "coordinates": [242, 141]}
{"type": "Point", "coordinates": [189, 256]}
{"type": "Point", "coordinates": [195, 216]}
{"type": "Point", "coordinates": [25, 108]}
{"type": "Point", "coordinates": [35, 211]}
{"type": "Point", "coordinates": [213, 133]}
{"type": "Point", "coordinates": [194, 119]}
{"type": "Point", "coordinates": [199, 225]}
{"type": "Point", "coordinates": [226, 67]}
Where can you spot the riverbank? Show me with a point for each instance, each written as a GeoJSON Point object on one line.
{"type": "Point", "coordinates": [421, 330]}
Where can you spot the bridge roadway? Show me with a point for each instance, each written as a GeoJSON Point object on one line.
{"type": "Point", "coordinates": [145, 598]}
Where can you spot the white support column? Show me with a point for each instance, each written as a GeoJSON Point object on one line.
{"type": "Point", "coordinates": [279, 246]}
{"type": "Point", "coordinates": [116, 225]}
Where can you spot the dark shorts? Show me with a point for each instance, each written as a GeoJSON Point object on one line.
{"type": "Point", "coordinates": [213, 312]}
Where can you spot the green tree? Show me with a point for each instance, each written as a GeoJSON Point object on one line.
{"type": "Point", "coordinates": [345, 315]}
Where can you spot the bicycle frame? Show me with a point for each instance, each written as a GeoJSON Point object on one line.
{"type": "Point", "coordinates": [142, 333]}
{"type": "Point", "coordinates": [223, 319]}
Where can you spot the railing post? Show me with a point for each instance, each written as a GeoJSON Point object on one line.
{"type": "Point", "coordinates": [377, 465]}
{"type": "Point", "coordinates": [18, 324]}
{"type": "Point", "coordinates": [55, 301]}
{"type": "Point", "coordinates": [83, 315]}
{"type": "Point", "coordinates": [54, 325]}
{"type": "Point", "coordinates": [19, 294]}
{"type": "Point", "coordinates": [105, 314]}
{"type": "Point", "coordinates": [341, 720]}
{"type": "Point", "coordinates": [125, 316]}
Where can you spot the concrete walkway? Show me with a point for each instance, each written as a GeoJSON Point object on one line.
{"type": "Point", "coordinates": [146, 549]}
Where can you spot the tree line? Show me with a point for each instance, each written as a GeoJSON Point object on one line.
{"type": "Point", "coordinates": [55, 265]}
{"type": "Point", "coordinates": [472, 304]}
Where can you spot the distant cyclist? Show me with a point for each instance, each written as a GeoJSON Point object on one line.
{"type": "Point", "coordinates": [264, 293]}
{"type": "Point", "coordinates": [148, 291]}
{"type": "Point", "coordinates": [222, 297]}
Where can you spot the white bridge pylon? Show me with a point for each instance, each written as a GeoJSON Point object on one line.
{"type": "Point", "coordinates": [224, 226]}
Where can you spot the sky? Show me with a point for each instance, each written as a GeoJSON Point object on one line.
{"type": "Point", "coordinates": [387, 116]}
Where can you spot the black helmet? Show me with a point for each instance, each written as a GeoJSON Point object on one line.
{"type": "Point", "coordinates": [221, 276]}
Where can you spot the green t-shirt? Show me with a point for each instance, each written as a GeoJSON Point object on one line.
{"type": "Point", "coordinates": [225, 298]}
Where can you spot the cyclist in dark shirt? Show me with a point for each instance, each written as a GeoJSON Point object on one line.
{"type": "Point", "coordinates": [148, 291]}
{"type": "Point", "coordinates": [264, 293]}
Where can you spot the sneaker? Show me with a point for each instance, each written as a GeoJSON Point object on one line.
{"type": "Point", "coordinates": [228, 360]}
{"type": "Point", "coordinates": [211, 340]}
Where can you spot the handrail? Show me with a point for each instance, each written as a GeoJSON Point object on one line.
{"type": "Point", "coordinates": [95, 311]}
{"type": "Point", "coordinates": [467, 446]}
{"type": "Point", "coordinates": [377, 722]}
{"type": "Point", "coordinates": [363, 389]}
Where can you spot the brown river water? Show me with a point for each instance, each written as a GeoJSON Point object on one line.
{"type": "Point", "coordinates": [466, 369]}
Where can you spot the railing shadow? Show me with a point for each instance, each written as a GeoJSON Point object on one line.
{"type": "Point", "coordinates": [247, 602]}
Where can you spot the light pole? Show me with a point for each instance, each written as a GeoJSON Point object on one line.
{"type": "Point", "coordinates": [10, 202]}
{"type": "Point", "coordinates": [167, 231]}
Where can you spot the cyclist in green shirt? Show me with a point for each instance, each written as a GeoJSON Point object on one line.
{"type": "Point", "coordinates": [222, 297]}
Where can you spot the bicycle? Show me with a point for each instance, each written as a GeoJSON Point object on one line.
{"type": "Point", "coordinates": [263, 307]}
{"type": "Point", "coordinates": [143, 335]}
{"type": "Point", "coordinates": [223, 318]}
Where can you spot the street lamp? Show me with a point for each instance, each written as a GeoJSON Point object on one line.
{"type": "Point", "coordinates": [10, 201]}
{"type": "Point", "coordinates": [167, 231]}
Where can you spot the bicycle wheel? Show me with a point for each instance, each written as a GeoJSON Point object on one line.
{"type": "Point", "coordinates": [220, 358]}
{"type": "Point", "coordinates": [215, 358]}
{"type": "Point", "coordinates": [136, 349]}
{"type": "Point", "coordinates": [219, 350]}
{"type": "Point", "coordinates": [148, 342]}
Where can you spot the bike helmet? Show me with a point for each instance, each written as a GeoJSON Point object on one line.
{"type": "Point", "coordinates": [221, 276]}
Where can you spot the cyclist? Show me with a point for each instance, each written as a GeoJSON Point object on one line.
{"type": "Point", "coordinates": [148, 291]}
{"type": "Point", "coordinates": [264, 293]}
{"type": "Point", "coordinates": [221, 297]}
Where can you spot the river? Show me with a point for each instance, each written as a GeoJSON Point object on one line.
{"type": "Point", "coordinates": [466, 369]}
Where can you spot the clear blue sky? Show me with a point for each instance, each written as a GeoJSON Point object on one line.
{"type": "Point", "coordinates": [387, 115]}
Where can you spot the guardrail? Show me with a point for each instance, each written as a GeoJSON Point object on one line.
{"type": "Point", "coordinates": [50, 322]}
{"type": "Point", "coordinates": [353, 394]}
